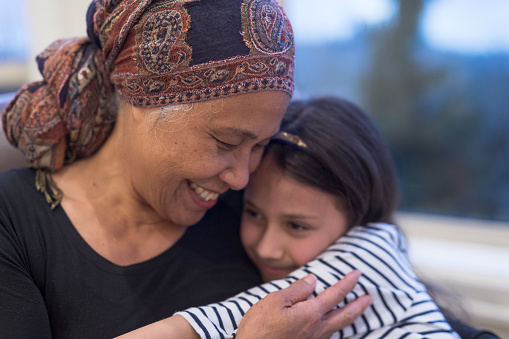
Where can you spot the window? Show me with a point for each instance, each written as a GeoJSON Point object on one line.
{"type": "Point", "coordinates": [14, 29]}
{"type": "Point", "coordinates": [14, 44]}
{"type": "Point", "coordinates": [434, 77]}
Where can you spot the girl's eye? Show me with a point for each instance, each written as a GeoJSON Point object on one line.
{"type": "Point", "coordinates": [297, 227]}
{"type": "Point", "coordinates": [252, 213]}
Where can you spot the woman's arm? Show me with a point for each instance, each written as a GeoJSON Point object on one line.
{"type": "Point", "coordinates": [282, 314]}
{"type": "Point", "coordinates": [401, 304]}
{"type": "Point", "coordinates": [175, 327]}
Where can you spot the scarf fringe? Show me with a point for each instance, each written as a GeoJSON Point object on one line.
{"type": "Point", "coordinates": [43, 181]}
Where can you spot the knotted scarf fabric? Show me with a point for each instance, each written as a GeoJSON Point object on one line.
{"type": "Point", "coordinates": [151, 53]}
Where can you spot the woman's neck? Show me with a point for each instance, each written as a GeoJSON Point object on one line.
{"type": "Point", "coordinates": [101, 202]}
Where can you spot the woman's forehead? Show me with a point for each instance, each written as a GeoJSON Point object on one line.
{"type": "Point", "coordinates": [254, 115]}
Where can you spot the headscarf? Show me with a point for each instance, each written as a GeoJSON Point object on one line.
{"type": "Point", "coordinates": [152, 53]}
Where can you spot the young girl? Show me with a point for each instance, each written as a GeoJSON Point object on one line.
{"type": "Point", "coordinates": [327, 171]}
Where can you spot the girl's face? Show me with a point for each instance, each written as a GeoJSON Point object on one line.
{"type": "Point", "coordinates": [285, 223]}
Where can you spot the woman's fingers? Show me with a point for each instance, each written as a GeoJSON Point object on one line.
{"type": "Point", "coordinates": [333, 295]}
{"type": "Point", "coordinates": [346, 315]}
{"type": "Point", "coordinates": [287, 313]}
{"type": "Point", "coordinates": [336, 319]}
{"type": "Point", "coordinates": [298, 291]}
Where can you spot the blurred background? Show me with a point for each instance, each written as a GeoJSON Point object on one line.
{"type": "Point", "coordinates": [433, 75]}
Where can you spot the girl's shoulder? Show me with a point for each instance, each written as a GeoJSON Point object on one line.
{"type": "Point", "coordinates": [374, 235]}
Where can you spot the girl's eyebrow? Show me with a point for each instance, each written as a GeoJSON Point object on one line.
{"type": "Point", "coordinates": [288, 216]}
{"type": "Point", "coordinates": [248, 202]}
{"type": "Point", "coordinates": [300, 216]}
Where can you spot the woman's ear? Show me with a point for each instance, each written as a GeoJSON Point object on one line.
{"type": "Point", "coordinates": [127, 111]}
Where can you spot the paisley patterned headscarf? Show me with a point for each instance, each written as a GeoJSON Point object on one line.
{"type": "Point", "coordinates": [152, 53]}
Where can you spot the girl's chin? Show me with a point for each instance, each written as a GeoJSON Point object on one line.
{"type": "Point", "coordinates": [269, 276]}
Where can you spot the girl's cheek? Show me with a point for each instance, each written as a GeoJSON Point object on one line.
{"type": "Point", "coordinates": [247, 234]}
{"type": "Point", "coordinates": [307, 250]}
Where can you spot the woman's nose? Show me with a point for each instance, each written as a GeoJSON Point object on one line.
{"type": "Point", "coordinates": [236, 175]}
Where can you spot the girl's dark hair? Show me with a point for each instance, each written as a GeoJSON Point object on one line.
{"type": "Point", "coordinates": [345, 156]}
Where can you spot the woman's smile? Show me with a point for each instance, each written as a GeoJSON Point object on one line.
{"type": "Point", "coordinates": [202, 197]}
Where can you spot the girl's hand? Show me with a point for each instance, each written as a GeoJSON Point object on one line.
{"type": "Point", "coordinates": [287, 313]}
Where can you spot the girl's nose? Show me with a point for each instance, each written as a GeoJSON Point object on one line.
{"type": "Point", "coordinates": [270, 246]}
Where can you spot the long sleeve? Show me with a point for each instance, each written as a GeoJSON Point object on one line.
{"type": "Point", "coordinates": [401, 307]}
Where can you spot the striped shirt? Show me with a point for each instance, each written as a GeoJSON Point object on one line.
{"type": "Point", "coordinates": [401, 307]}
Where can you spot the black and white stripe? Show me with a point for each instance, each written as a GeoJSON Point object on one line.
{"type": "Point", "coordinates": [402, 307]}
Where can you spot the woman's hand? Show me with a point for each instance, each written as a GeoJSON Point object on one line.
{"type": "Point", "coordinates": [287, 313]}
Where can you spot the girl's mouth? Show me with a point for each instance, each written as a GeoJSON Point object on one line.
{"type": "Point", "coordinates": [275, 272]}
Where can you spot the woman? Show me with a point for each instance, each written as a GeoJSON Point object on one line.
{"type": "Point", "coordinates": [135, 131]}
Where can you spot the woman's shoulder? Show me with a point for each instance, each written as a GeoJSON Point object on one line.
{"type": "Point", "coordinates": [20, 202]}
{"type": "Point", "coordinates": [23, 212]}
{"type": "Point", "coordinates": [16, 176]}
{"type": "Point", "coordinates": [16, 184]}
{"type": "Point", "coordinates": [17, 181]}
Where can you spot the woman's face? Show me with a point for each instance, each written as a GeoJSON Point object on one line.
{"type": "Point", "coordinates": [285, 223]}
{"type": "Point", "coordinates": [179, 166]}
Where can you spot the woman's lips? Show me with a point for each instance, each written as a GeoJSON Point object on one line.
{"type": "Point", "coordinates": [203, 198]}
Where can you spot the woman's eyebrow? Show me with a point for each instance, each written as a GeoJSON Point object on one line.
{"type": "Point", "coordinates": [239, 132]}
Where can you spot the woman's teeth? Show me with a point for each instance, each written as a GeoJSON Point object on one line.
{"type": "Point", "coordinates": [202, 193]}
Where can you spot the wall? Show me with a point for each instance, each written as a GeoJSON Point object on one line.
{"type": "Point", "coordinates": [466, 257]}
{"type": "Point", "coordinates": [52, 20]}
{"type": "Point", "coordinates": [49, 20]}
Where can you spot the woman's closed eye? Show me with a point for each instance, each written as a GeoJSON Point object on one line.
{"type": "Point", "coordinates": [225, 146]}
